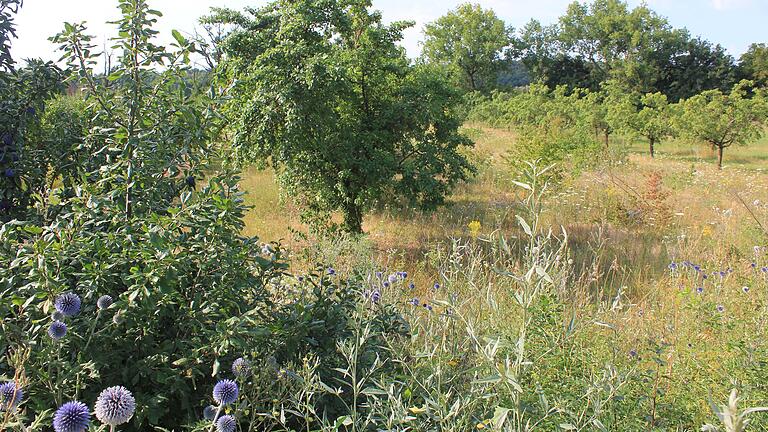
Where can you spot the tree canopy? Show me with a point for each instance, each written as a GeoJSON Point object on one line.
{"type": "Point", "coordinates": [326, 96]}
{"type": "Point", "coordinates": [470, 41]}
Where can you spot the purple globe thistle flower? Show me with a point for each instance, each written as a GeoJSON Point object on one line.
{"type": "Point", "coordinates": [386, 284]}
{"type": "Point", "coordinates": [720, 308]}
{"type": "Point", "coordinates": [404, 275]}
{"type": "Point", "coordinates": [10, 396]}
{"type": "Point", "coordinates": [672, 266]}
{"type": "Point", "coordinates": [68, 304]}
{"type": "Point", "coordinates": [72, 417]}
{"type": "Point", "coordinates": [115, 406]}
{"type": "Point", "coordinates": [225, 392]}
{"type": "Point", "coordinates": [700, 290]}
{"type": "Point", "coordinates": [753, 265]}
{"type": "Point", "coordinates": [697, 267]}
{"type": "Point", "coordinates": [745, 289]}
{"type": "Point", "coordinates": [411, 285]}
{"type": "Point", "coordinates": [633, 353]}
{"type": "Point", "coordinates": [104, 302]}
{"type": "Point", "coordinates": [241, 367]}
{"type": "Point", "coordinates": [721, 274]}
{"type": "Point", "coordinates": [379, 275]}
{"type": "Point", "coordinates": [57, 330]}
{"type": "Point", "coordinates": [209, 412]}
{"type": "Point", "coordinates": [428, 307]}
{"type": "Point", "coordinates": [375, 296]}
{"type": "Point", "coordinates": [331, 271]}
{"type": "Point", "coordinates": [414, 301]}
{"type": "Point", "coordinates": [704, 276]}
{"type": "Point", "coordinates": [57, 316]}
{"type": "Point", "coordinates": [392, 278]}
{"type": "Point", "coordinates": [9, 172]}
{"type": "Point", "coordinates": [226, 423]}
{"type": "Point", "coordinates": [764, 269]}
{"type": "Point", "coordinates": [300, 278]}
{"type": "Point", "coordinates": [436, 286]}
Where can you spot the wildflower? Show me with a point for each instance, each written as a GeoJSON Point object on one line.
{"type": "Point", "coordinates": [414, 301]}
{"type": "Point", "coordinates": [672, 266]}
{"type": "Point", "coordinates": [209, 412]}
{"type": "Point", "coordinates": [753, 265]}
{"type": "Point", "coordinates": [700, 290]}
{"type": "Point", "coordinates": [57, 330]}
{"type": "Point", "coordinates": [404, 275]}
{"type": "Point", "coordinates": [226, 424]}
{"type": "Point", "coordinates": [225, 392]}
{"type": "Point", "coordinates": [331, 271]}
{"type": "Point", "coordinates": [436, 286]}
{"type": "Point", "coordinates": [745, 289]}
{"type": "Point", "coordinates": [720, 308]}
{"type": "Point", "coordinates": [10, 396]}
{"type": "Point", "coordinates": [68, 304]}
{"type": "Point", "coordinates": [115, 406]}
{"type": "Point", "coordinates": [72, 417]}
{"type": "Point", "coordinates": [417, 410]}
{"type": "Point", "coordinates": [633, 353]}
{"type": "Point", "coordinates": [375, 296]}
{"type": "Point", "coordinates": [764, 269]}
{"type": "Point", "coordinates": [241, 367]}
{"type": "Point", "coordinates": [411, 285]}
{"type": "Point", "coordinates": [428, 307]}
{"type": "Point", "coordinates": [474, 227]}
{"type": "Point", "coordinates": [386, 284]}
{"type": "Point", "coordinates": [379, 275]}
{"type": "Point", "coordinates": [392, 278]}
{"type": "Point", "coordinates": [697, 267]}
{"type": "Point", "coordinates": [104, 302]}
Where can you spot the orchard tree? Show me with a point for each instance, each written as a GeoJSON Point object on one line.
{"type": "Point", "coordinates": [653, 121]}
{"type": "Point", "coordinates": [470, 41]}
{"type": "Point", "coordinates": [723, 119]}
{"type": "Point", "coordinates": [325, 95]}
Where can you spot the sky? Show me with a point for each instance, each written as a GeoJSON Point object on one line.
{"type": "Point", "coordinates": [735, 24]}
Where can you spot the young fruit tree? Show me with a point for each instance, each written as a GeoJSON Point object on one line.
{"type": "Point", "coordinates": [723, 120]}
{"type": "Point", "coordinates": [653, 121]}
{"type": "Point", "coordinates": [324, 94]}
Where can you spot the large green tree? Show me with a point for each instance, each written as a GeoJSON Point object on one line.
{"type": "Point", "coordinates": [470, 41]}
{"type": "Point", "coordinates": [723, 119]}
{"type": "Point", "coordinates": [653, 121]}
{"type": "Point", "coordinates": [326, 96]}
{"type": "Point", "coordinates": [754, 64]}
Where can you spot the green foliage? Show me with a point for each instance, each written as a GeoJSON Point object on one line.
{"type": "Point", "coordinates": [723, 119]}
{"type": "Point", "coordinates": [470, 42]}
{"type": "Point", "coordinates": [339, 111]}
{"type": "Point", "coordinates": [754, 64]}
{"type": "Point", "coordinates": [654, 120]}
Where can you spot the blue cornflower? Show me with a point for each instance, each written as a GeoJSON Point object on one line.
{"type": "Point", "coordinates": [104, 302]}
{"type": "Point", "coordinates": [720, 308]}
{"type": "Point", "coordinates": [331, 271]}
{"type": "Point", "coordinates": [115, 406]}
{"type": "Point", "coordinates": [72, 417]}
{"type": "Point", "coordinates": [68, 304]}
{"type": "Point", "coordinates": [241, 367]}
{"type": "Point", "coordinates": [745, 289]}
{"type": "Point", "coordinates": [412, 285]}
{"type": "Point", "coordinates": [209, 412]}
{"type": "Point", "coordinates": [436, 286]}
{"type": "Point", "coordinates": [376, 296]}
{"type": "Point", "coordinates": [414, 301]}
{"type": "Point", "coordinates": [699, 290]}
{"type": "Point", "coordinates": [226, 423]}
{"type": "Point", "coordinates": [10, 396]}
{"type": "Point", "coordinates": [225, 392]}
{"type": "Point", "coordinates": [57, 330]}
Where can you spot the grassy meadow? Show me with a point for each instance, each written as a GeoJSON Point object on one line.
{"type": "Point", "coordinates": [687, 335]}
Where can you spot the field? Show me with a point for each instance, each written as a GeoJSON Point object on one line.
{"type": "Point", "coordinates": [635, 230]}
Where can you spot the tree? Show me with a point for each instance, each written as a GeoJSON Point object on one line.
{"type": "Point", "coordinates": [653, 121]}
{"type": "Point", "coordinates": [327, 98]}
{"type": "Point", "coordinates": [723, 119]}
{"type": "Point", "coordinates": [470, 41]}
{"type": "Point", "coordinates": [754, 64]}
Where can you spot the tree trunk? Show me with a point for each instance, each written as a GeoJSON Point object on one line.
{"type": "Point", "coordinates": [719, 157]}
{"type": "Point", "coordinates": [353, 219]}
{"type": "Point", "coordinates": [606, 133]}
{"type": "Point", "coordinates": [650, 145]}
